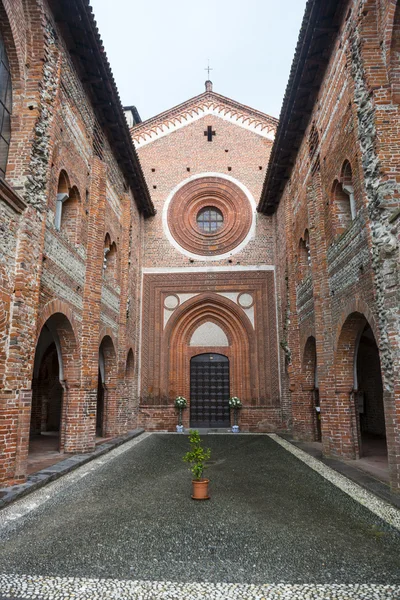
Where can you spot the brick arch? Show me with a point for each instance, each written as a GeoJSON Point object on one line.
{"type": "Point", "coordinates": [107, 331]}
{"type": "Point", "coordinates": [63, 181]}
{"type": "Point", "coordinates": [341, 208]}
{"type": "Point", "coordinates": [241, 351]}
{"type": "Point", "coordinates": [306, 399]}
{"type": "Point", "coordinates": [70, 215]}
{"type": "Point", "coordinates": [355, 305]}
{"type": "Point", "coordinates": [346, 173]}
{"type": "Point", "coordinates": [347, 424]}
{"type": "Point", "coordinates": [53, 307]}
{"type": "Point", "coordinates": [108, 371]}
{"type": "Point", "coordinates": [57, 330]}
{"type": "Point", "coordinates": [67, 345]}
{"type": "Point", "coordinates": [346, 351]}
{"type": "Point", "coordinates": [61, 153]}
{"type": "Point", "coordinates": [108, 348]}
{"type": "Point", "coordinates": [130, 364]}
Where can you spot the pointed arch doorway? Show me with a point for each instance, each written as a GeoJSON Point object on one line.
{"type": "Point", "coordinates": [209, 390]}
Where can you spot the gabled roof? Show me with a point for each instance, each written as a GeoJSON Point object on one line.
{"type": "Point", "coordinates": [207, 103]}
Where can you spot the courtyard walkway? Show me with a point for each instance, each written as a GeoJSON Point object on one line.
{"type": "Point", "coordinates": [124, 526]}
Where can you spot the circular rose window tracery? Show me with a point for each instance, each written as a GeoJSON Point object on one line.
{"type": "Point", "coordinates": [209, 216]}
{"type": "Point", "coordinates": [209, 219]}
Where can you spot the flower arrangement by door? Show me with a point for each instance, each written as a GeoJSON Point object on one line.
{"type": "Point", "coordinates": [235, 405]}
{"type": "Point", "coordinates": [180, 404]}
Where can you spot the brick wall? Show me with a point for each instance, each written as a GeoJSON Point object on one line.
{"type": "Point", "coordinates": [234, 152]}
{"type": "Point", "coordinates": [354, 261]}
{"type": "Point", "coordinates": [185, 173]}
{"type": "Point", "coordinates": [55, 276]}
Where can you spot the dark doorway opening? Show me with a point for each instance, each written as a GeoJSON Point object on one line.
{"type": "Point", "coordinates": [100, 406]}
{"type": "Point", "coordinates": [47, 403]}
{"type": "Point", "coordinates": [370, 397]}
{"type": "Point", "coordinates": [209, 391]}
{"type": "Point", "coordinates": [47, 392]}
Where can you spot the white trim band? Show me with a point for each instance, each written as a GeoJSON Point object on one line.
{"type": "Point", "coordinates": [150, 270]}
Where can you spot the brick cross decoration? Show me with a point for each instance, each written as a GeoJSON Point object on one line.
{"type": "Point", "coordinates": [209, 133]}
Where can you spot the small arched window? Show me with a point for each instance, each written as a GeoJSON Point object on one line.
{"type": "Point", "coordinates": [343, 202]}
{"type": "Point", "coordinates": [304, 256]}
{"type": "Point", "coordinates": [130, 365]}
{"type": "Point", "coordinates": [62, 196]}
{"type": "Point", "coordinates": [347, 183]}
{"type": "Point", "coordinates": [110, 264]}
{"type": "Point", "coordinates": [69, 214]}
{"type": "Point", "coordinates": [341, 207]}
{"type": "Point", "coordinates": [5, 107]}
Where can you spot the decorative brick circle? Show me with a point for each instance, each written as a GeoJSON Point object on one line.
{"type": "Point", "coordinates": [245, 300]}
{"type": "Point", "coordinates": [218, 193]}
{"type": "Point", "coordinates": [171, 302]}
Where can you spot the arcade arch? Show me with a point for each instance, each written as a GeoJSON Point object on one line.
{"type": "Point", "coordinates": [220, 321]}
{"type": "Point", "coordinates": [55, 371]}
{"type": "Point", "coordinates": [311, 389]}
{"type": "Point", "coordinates": [106, 389]}
{"type": "Point", "coordinates": [359, 386]}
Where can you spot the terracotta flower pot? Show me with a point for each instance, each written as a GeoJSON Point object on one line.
{"type": "Point", "coordinates": [200, 489]}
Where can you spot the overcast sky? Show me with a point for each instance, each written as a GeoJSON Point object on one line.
{"type": "Point", "coordinates": [158, 49]}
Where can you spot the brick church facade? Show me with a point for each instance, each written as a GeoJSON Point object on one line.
{"type": "Point", "coordinates": [209, 286]}
{"type": "Point", "coordinates": [209, 251]}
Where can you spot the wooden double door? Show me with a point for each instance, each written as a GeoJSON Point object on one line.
{"type": "Point", "coordinates": [209, 391]}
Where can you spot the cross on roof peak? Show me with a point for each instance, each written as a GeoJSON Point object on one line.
{"type": "Point", "coordinates": [208, 68]}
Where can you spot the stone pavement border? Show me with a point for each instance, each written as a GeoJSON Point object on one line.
{"type": "Point", "coordinates": [382, 509]}
{"type": "Point", "coordinates": [49, 474]}
{"type": "Point", "coordinates": [25, 505]}
{"type": "Point", "coordinates": [349, 469]}
{"type": "Point", "coordinates": [64, 588]}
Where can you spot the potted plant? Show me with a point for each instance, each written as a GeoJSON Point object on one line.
{"type": "Point", "coordinates": [235, 405]}
{"type": "Point", "coordinates": [180, 404]}
{"type": "Point", "coordinates": [197, 457]}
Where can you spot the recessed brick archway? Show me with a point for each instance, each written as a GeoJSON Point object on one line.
{"type": "Point", "coordinates": [106, 406]}
{"type": "Point", "coordinates": [55, 389]}
{"type": "Point", "coordinates": [358, 404]}
{"type": "Point", "coordinates": [306, 417]}
{"type": "Point", "coordinates": [342, 430]}
{"type": "Point", "coordinates": [241, 351]}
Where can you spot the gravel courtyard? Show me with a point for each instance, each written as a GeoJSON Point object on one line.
{"type": "Point", "coordinates": [270, 520]}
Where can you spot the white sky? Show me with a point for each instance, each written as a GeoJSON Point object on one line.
{"type": "Point", "coordinates": [158, 49]}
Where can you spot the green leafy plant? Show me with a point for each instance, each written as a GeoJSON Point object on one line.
{"type": "Point", "coordinates": [197, 455]}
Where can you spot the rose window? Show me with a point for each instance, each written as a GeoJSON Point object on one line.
{"type": "Point", "coordinates": [209, 219]}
